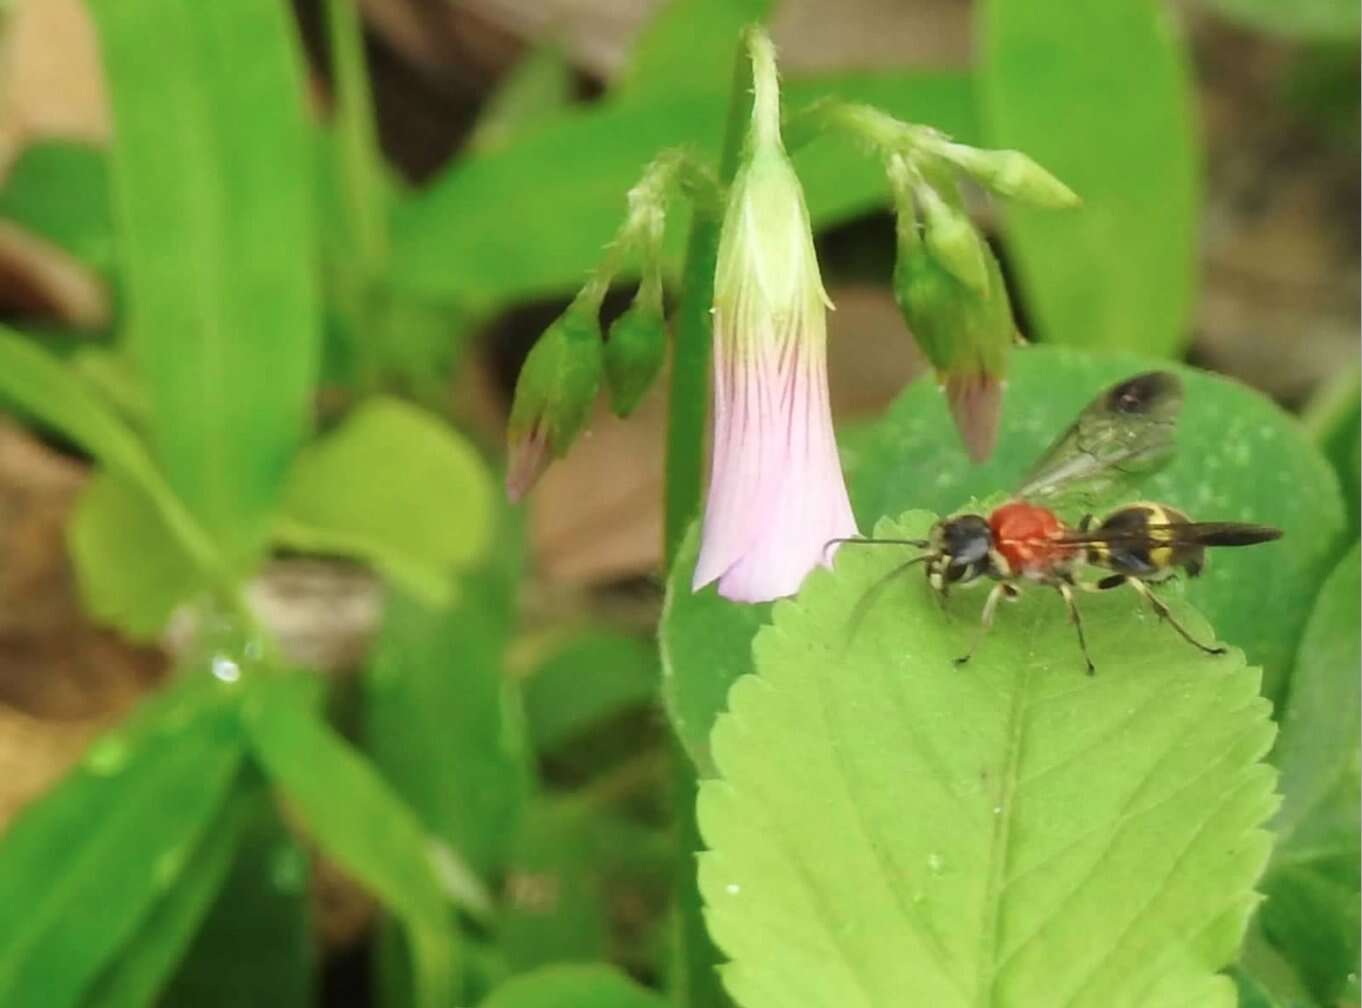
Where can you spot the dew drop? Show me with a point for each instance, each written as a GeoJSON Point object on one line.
{"type": "Point", "coordinates": [997, 810]}
{"type": "Point", "coordinates": [225, 669]}
{"type": "Point", "coordinates": [107, 756]}
{"type": "Point", "coordinates": [732, 888]}
{"type": "Point", "coordinates": [934, 862]}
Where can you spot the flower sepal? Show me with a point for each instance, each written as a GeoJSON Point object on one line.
{"type": "Point", "coordinates": [554, 394]}
{"type": "Point", "coordinates": [636, 348]}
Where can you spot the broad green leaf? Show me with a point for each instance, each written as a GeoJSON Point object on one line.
{"type": "Point", "coordinates": [83, 867]}
{"type": "Point", "coordinates": [596, 985]}
{"type": "Point", "coordinates": [396, 487]}
{"type": "Point", "coordinates": [889, 825]}
{"type": "Point", "coordinates": [532, 218]}
{"type": "Point", "coordinates": [689, 45]}
{"type": "Point", "coordinates": [592, 677]}
{"type": "Point", "coordinates": [61, 191]}
{"type": "Point", "coordinates": [706, 645]}
{"type": "Point", "coordinates": [533, 92]}
{"type": "Point", "coordinates": [1311, 914]}
{"type": "Point", "coordinates": [1333, 418]}
{"type": "Point", "coordinates": [363, 826]}
{"type": "Point", "coordinates": [554, 909]}
{"type": "Point", "coordinates": [256, 946]}
{"type": "Point", "coordinates": [211, 188]}
{"type": "Point", "coordinates": [142, 968]}
{"type": "Point", "coordinates": [1102, 98]}
{"type": "Point", "coordinates": [132, 572]}
{"type": "Point", "coordinates": [443, 721]}
{"type": "Point", "coordinates": [1239, 458]}
{"type": "Point", "coordinates": [1307, 19]}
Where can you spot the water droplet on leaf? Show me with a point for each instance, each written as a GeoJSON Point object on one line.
{"type": "Point", "coordinates": [225, 669]}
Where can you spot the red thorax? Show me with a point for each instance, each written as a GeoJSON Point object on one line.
{"type": "Point", "coordinates": [1025, 535]}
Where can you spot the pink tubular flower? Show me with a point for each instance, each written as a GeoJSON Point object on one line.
{"type": "Point", "coordinates": [776, 492]}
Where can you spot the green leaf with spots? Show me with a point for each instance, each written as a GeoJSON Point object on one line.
{"type": "Point", "coordinates": [888, 828]}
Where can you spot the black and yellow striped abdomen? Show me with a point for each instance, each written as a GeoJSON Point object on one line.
{"type": "Point", "coordinates": [1141, 540]}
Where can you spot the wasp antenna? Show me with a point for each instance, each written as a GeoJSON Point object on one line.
{"type": "Point", "coordinates": [919, 543]}
{"type": "Point", "coordinates": [862, 607]}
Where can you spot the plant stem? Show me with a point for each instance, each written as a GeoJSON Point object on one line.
{"type": "Point", "coordinates": [689, 391]}
{"type": "Point", "coordinates": [694, 978]}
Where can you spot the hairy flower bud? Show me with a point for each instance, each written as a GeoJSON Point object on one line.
{"type": "Point", "coordinates": [553, 395]}
{"type": "Point", "coordinates": [964, 335]}
{"type": "Point", "coordinates": [1011, 173]}
{"type": "Point", "coordinates": [636, 348]}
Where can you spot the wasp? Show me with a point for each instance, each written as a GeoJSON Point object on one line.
{"type": "Point", "coordinates": [1126, 432]}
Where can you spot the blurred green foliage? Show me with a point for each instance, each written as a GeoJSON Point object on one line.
{"type": "Point", "coordinates": [257, 257]}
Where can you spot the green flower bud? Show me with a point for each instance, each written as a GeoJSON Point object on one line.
{"type": "Point", "coordinates": [636, 348]}
{"type": "Point", "coordinates": [964, 336]}
{"type": "Point", "coordinates": [554, 394]}
{"type": "Point", "coordinates": [952, 240]}
{"type": "Point", "coordinates": [1011, 173]}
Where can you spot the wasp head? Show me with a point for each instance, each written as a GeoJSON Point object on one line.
{"type": "Point", "coordinates": [962, 546]}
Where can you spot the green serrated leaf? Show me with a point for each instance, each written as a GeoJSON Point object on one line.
{"type": "Point", "coordinates": [595, 985]}
{"type": "Point", "coordinates": [211, 188]}
{"type": "Point", "coordinates": [396, 487]}
{"type": "Point", "coordinates": [358, 821]}
{"type": "Point", "coordinates": [887, 825]}
{"type": "Point", "coordinates": [131, 571]}
{"type": "Point", "coordinates": [84, 866]}
{"type": "Point", "coordinates": [1119, 274]}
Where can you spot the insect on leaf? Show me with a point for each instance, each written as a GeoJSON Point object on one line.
{"type": "Point", "coordinates": [889, 829]}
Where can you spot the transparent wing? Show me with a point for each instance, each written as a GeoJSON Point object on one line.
{"type": "Point", "coordinates": [1124, 434]}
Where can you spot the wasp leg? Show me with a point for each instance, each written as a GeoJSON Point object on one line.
{"type": "Point", "coordinates": [1068, 595]}
{"type": "Point", "coordinates": [1166, 615]}
{"type": "Point", "coordinates": [986, 620]}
